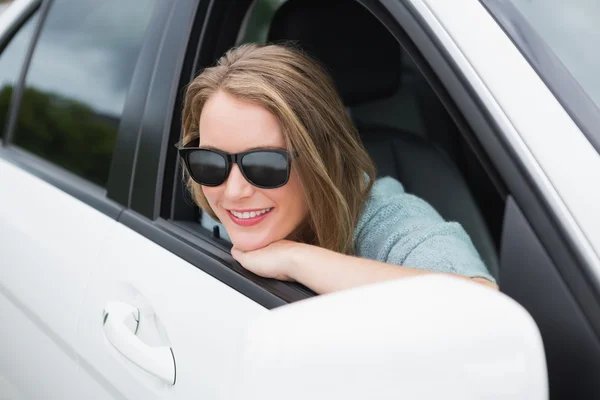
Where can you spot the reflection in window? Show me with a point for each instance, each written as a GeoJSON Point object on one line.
{"type": "Point", "coordinates": [258, 20]}
{"type": "Point", "coordinates": [11, 63]}
{"type": "Point", "coordinates": [77, 82]}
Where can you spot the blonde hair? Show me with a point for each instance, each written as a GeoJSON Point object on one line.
{"type": "Point", "coordinates": [333, 167]}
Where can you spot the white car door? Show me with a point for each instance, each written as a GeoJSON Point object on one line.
{"type": "Point", "coordinates": [91, 308]}
{"type": "Point", "coordinates": [59, 122]}
{"type": "Point", "coordinates": [49, 244]}
{"type": "Point", "coordinates": [190, 324]}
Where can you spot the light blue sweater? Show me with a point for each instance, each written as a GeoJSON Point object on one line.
{"type": "Point", "coordinates": [402, 229]}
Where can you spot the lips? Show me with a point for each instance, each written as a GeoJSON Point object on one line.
{"type": "Point", "coordinates": [249, 217]}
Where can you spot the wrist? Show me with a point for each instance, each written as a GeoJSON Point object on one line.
{"type": "Point", "coordinates": [297, 265]}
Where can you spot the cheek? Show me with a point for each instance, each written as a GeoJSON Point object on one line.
{"type": "Point", "coordinates": [295, 199]}
{"type": "Point", "coordinates": [212, 195]}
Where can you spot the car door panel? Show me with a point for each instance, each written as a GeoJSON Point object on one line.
{"type": "Point", "coordinates": [572, 349]}
{"type": "Point", "coordinates": [201, 319]}
{"type": "Point", "coordinates": [35, 363]}
{"type": "Point", "coordinates": [50, 242]}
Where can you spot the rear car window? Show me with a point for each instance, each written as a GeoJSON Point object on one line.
{"type": "Point", "coordinates": [77, 82]}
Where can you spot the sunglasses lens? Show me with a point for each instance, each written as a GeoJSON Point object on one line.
{"type": "Point", "coordinates": [266, 169]}
{"type": "Point", "coordinates": [207, 167]}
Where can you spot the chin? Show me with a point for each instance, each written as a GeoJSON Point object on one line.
{"type": "Point", "coordinates": [245, 243]}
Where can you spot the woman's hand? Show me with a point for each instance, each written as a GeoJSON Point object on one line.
{"type": "Point", "coordinates": [321, 270]}
{"type": "Point", "coordinates": [273, 261]}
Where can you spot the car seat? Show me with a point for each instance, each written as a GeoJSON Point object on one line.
{"type": "Point", "coordinates": [366, 63]}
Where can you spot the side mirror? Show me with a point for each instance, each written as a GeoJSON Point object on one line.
{"type": "Point", "coordinates": [429, 337]}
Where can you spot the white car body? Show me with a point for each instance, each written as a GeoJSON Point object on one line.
{"type": "Point", "coordinates": [535, 123]}
{"type": "Point", "coordinates": [62, 261]}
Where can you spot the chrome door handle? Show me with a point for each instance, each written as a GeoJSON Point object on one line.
{"type": "Point", "coordinates": [156, 360]}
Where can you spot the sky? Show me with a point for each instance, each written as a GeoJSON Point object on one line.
{"type": "Point", "coordinates": [87, 51]}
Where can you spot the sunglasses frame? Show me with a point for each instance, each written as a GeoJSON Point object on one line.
{"type": "Point", "coordinates": [230, 159]}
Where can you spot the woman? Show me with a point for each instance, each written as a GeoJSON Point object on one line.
{"type": "Point", "coordinates": [272, 155]}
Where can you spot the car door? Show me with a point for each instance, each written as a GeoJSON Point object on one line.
{"type": "Point", "coordinates": [162, 316]}
{"type": "Point", "coordinates": [118, 302]}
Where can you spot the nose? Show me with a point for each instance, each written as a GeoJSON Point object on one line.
{"type": "Point", "coordinates": [236, 186]}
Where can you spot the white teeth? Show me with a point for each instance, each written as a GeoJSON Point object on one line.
{"type": "Point", "coordinates": [249, 214]}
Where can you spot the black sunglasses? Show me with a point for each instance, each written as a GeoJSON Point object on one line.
{"type": "Point", "coordinates": [266, 169]}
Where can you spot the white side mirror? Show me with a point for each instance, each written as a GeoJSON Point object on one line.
{"type": "Point", "coordinates": [431, 337]}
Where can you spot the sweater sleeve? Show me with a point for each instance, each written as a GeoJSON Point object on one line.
{"type": "Point", "coordinates": [402, 229]}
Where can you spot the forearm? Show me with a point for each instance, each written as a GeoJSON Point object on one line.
{"type": "Point", "coordinates": [326, 271]}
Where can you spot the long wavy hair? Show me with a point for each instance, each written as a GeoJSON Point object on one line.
{"type": "Point", "coordinates": [334, 169]}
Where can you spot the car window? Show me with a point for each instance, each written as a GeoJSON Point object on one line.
{"type": "Point", "coordinates": [11, 63]}
{"type": "Point", "coordinates": [77, 82]}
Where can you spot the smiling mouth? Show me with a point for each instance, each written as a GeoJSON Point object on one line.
{"type": "Point", "coordinates": [249, 214]}
{"type": "Point", "coordinates": [248, 218]}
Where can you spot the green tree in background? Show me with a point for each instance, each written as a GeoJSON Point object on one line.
{"type": "Point", "coordinates": [5, 96]}
{"type": "Point", "coordinates": [63, 131]}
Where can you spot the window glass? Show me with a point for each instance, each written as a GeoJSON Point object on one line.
{"type": "Point", "coordinates": [258, 21]}
{"type": "Point", "coordinates": [572, 29]}
{"type": "Point", "coordinates": [77, 82]}
{"type": "Point", "coordinates": [11, 63]}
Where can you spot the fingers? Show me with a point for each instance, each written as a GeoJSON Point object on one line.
{"type": "Point", "coordinates": [246, 262]}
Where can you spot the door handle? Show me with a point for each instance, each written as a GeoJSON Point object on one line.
{"type": "Point", "coordinates": [156, 360]}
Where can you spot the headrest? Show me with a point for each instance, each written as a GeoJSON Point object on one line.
{"type": "Point", "coordinates": [362, 56]}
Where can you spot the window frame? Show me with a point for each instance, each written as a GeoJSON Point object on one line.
{"type": "Point", "coordinates": [7, 33]}
{"type": "Point", "coordinates": [112, 199]}
{"type": "Point", "coordinates": [155, 212]}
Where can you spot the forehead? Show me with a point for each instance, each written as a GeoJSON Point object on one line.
{"type": "Point", "coordinates": [233, 125]}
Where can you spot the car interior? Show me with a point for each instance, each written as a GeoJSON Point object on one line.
{"type": "Point", "coordinates": [402, 122]}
